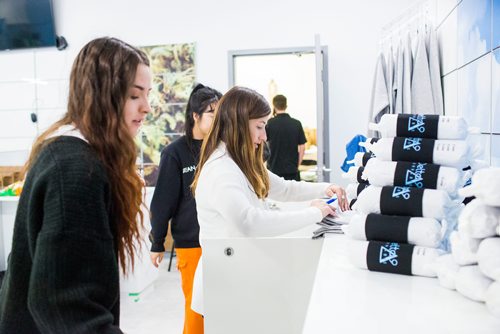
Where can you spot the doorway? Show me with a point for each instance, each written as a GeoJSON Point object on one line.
{"type": "Point", "coordinates": [300, 75]}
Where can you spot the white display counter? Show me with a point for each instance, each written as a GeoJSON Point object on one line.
{"type": "Point", "coordinates": [258, 285]}
{"type": "Point", "coordinates": [344, 299]}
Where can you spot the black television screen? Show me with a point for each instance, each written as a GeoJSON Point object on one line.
{"type": "Point", "coordinates": [26, 24]}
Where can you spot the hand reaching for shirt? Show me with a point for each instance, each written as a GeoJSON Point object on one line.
{"type": "Point", "coordinates": [341, 196]}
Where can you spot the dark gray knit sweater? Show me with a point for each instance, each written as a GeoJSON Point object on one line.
{"type": "Point", "coordinates": [63, 272]}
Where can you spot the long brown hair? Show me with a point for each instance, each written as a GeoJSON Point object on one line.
{"type": "Point", "coordinates": [231, 126]}
{"type": "Point", "coordinates": [101, 75]}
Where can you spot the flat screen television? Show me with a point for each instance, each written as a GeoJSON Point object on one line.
{"type": "Point", "coordinates": [26, 24]}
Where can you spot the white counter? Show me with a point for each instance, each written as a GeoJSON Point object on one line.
{"type": "Point", "coordinates": [346, 299]}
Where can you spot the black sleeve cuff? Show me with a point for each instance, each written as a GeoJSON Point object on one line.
{"type": "Point", "coordinates": [157, 247]}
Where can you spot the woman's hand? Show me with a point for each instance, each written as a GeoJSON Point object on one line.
{"type": "Point", "coordinates": [341, 196]}
{"type": "Point", "coordinates": [326, 209]}
{"type": "Point", "coordinates": [156, 258]}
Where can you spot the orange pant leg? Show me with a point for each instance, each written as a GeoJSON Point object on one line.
{"type": "Point", "coordinates": [187, 260]}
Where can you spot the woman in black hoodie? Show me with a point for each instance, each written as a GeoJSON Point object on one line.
{"type": "Point", "coordinates": [172, 199]}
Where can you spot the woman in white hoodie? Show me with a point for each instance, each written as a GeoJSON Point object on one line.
{"type": "Point", "coordinates": [232, 183]}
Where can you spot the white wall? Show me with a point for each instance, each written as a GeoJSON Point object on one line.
{"type": "Point", "coordinates": [350, 29]}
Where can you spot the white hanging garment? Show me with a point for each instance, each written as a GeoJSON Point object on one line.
{"type": "Point", "coordinates": [479, 220]}
{"type": "Point", "coordinates": [380, 99]}
{"type": "Point", "coordinates": [424, 232]}
{"type": "Point", "coordinates": [407, 74]}
{"type": "Point", "coordinates": [404, 201]}
{"type": "Point", "coordinates": [435, 72]}
{"type": "Point", "coordinates": [485, 186]}
{"type": "Point", "coordinates": [472, 284]}
{"type": "Point", "coordinates": [452, 153]}
{"type": "Point", "coordinates": [398, 103]}
{"type": "Point", "coordinates": [446, 270]}
{"type": "Point", "coordinates": [413, 174]}
{"type": "Point", "coordinates": [493, 299]}
{"type": "Point", "coordinates": [390, 70]}
{"type": "Point", "coordinates": [488, 258]}
{"type": "Point", "coordinates": [422, 126]}
{"type": "Point", "coordinates": [421, 91]}
{"type": "Point", "coordinates": [393, 257]}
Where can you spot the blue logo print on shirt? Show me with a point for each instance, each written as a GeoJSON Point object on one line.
{"type": "Point", "coordinates": [388, 254]}
{"type": "Point", "coordinates": [412, 143]}
{"type": "Point", "coordinates": [401, 191]}
{"type": "Point", "coordinates": [414, 175]}
{"type": "Point", "coordinates": [416, 122]}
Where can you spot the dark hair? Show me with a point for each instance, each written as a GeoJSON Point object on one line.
{"type": "Point", "coordinates": [231, 126]}
{"type": "Point", "coordinates": [102, 73]}
{"type": "Point", "coordinates": [279, 102]}
{"type": "Point", "coordinates": [201, 97]}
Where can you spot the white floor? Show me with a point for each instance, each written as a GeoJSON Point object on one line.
{"type": "Point", "coordinates": [160, 309]}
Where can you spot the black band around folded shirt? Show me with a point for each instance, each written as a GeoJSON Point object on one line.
{"type": "Point", "coordinates": [401, 201]}
{"type": "Point", "coordinates": [416, 174]}
{"type": "Point", "coordinates": [420, 126]}
{"type": "Point", "coordinates": [413, 149]}
{"type": "Point", "coordinates": [387, 228]}
{"type": "Point", "coordinates": [361, 187]}
{"type": "Point", "coordinates": [359, 174]}
{"type": "Point", "coordinates": [367, 156]}
{"type": "Point", "coordinates": [389, 257]}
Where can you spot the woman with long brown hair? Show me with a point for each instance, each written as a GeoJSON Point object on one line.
{"type": "Point", "coordinates": [232, 183]}
{"type": "Point", "coordinates": [76, 221]}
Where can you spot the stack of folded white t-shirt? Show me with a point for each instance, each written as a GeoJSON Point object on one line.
{"type": "Point", "coordinates": [413, 179]}
{"type": "Point", "coordinates": [473, 267]}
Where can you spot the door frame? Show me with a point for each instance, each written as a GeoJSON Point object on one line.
{"type": "Point", "coordinates": [323, 171]}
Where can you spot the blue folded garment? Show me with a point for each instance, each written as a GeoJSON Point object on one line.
{"type": "Point", "coordinates": [351, 148]}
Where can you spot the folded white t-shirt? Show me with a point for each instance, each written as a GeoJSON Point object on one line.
{"type": "Point", "coordinates": [485, 185]}
{"type": "Point", "coordinates": [447, 270]}
{"type": "Point", "coordinates": [452, 153]}
{"type": "Point", "coordinates": [471, 283]}
{"type": "Point", "coordinates": [464, 248]}
{"type": "Point", "coordinates": [424, 232]}
{"type": "Point", "coordinates": [423, 126]}
{"type": "Point", "coordinates": [404, 201]}
{"type": "Point", "coordinates": [352, 190]}
{"type": "Point", "coordinates": [393, 257]}
{"type": "Point", "coordinates": [492, 298]}
{"type": "Point", "coordinates": [488, 258]}
{"type": "Point", "coordinates": [479, 220]}
{"type": "Point", "coordinates": [412, 174]}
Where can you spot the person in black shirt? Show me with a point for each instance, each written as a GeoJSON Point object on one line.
{"type": "Point", "coordinates": [172, 198]}
{"type": "Point", "coordinates": [286, 140]}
